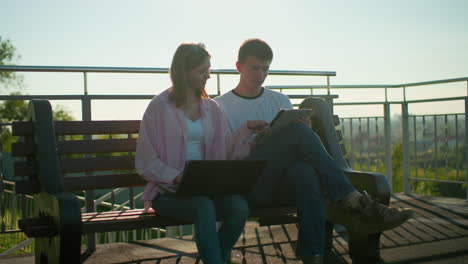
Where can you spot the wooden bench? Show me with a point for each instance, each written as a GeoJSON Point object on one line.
{"type": "Point", "coordinates": [60, 158]}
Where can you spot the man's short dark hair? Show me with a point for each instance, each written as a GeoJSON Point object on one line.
{"type": "Point", "coordinates": [256, 48]}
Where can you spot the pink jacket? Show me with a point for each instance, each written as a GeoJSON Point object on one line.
{"type": "Point", "coordinates": [161, 145]}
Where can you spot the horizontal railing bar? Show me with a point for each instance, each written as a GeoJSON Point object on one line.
{"type": "Point", "coordinates": [371, 117]}
{"type": "Point", "coordinates": [364, 103]}
{"type": "Point", "coordinates": [8, 182]}
{"type": "Point", "coordinates": [434, 180]}
{"type": "Point", "coordinates": [401, 102]}
{"type": "Point", "coordinates": [33, 68]}
{"type": "Point", "coordinates": [437, 99]}
{"type": "Point", "coordinates": [278, 72]}
{"type": "Point", "coordinates": [149, 97]}
{"type": "Point", "coordinates": [77, 97]}
{"type": "Point", "coordinates": [336, 86]}
{"type": "Point", "coordinates": [13, 192]}
{"type": "Point", "coordinates": [450, 114]}
{"type": "Point", "coordinates": [116, 97]}
{"type": "Point", "coordinates": [366, 86]}
{"type": "Point", "coordinates": [434, 82]}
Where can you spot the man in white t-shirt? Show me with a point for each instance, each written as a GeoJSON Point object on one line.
{"type": "Point", "coordinates": [296, 155]}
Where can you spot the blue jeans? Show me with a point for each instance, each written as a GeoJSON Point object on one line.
{"type": "Point", "coordinates": [213, 246]}
{"type": "Point", "coordinates": [299, 170]}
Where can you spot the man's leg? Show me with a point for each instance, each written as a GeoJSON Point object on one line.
{"type": "Point", "coordinates": [299, 142]}
{"type": "Point", "coordinates": [296, 143]}
{"type": "Point", "coordinates": [310, 209]}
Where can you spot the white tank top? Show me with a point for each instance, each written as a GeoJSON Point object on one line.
{"type": "Point", "coordinates": [194, 139]}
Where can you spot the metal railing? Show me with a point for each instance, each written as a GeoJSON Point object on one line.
{"type": "Point", "coordinates": [108, 198]}
{"type": "Point", "coordinates": [358, 139]}
{"type": "Point", "coordinates": [369, 139]}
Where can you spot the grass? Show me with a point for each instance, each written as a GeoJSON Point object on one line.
{"type": "Point", "coordinates": [10, 240]}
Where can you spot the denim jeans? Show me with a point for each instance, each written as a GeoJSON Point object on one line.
{"type": "Point", "coordinates": [299, 170]}
{"type": "Point", "coordinates": [214, 246]}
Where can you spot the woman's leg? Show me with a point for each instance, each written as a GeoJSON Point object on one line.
{"type": "Point", "coordinates": [233, 211]}
{"type": "Point", "coordinates": [201, 211]}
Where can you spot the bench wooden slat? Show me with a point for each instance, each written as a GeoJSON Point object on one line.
{"type": "Point", "coordinates": [88, 182]}
{"type": "Point", "coordinates": [20, 149]}
{"type": "Point", "coordinates": [27, 186]}
{"type": "Point", "coordinates": [137, 222]}
{"type": "Point", "coordinates": [22, 128]}
{"type": "Point", "coordinates": [98, 164]}
{"type": "Point", "coordinates": [26, 168]}
{"type": "Point", "coordinates": [96, 146]}
{"type": "Point", "coordinates": [80, 146]}
{"type": "Point", "coordinates": [109, 181]}
{"type": "Point", "coordinates": [97, 215]}
{"type": "Point", "coordinates": [97, 127]}
{"type": "Point", "coordinates": [82, 127]}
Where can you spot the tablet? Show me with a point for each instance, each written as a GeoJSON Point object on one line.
{"type": "Point", "coordinates": [287, 116]}
{"type": "Point", "coordinates": [219, 177]}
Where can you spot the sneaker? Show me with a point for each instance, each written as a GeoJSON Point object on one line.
{"type": "Point", "coordinates": [382, 216]}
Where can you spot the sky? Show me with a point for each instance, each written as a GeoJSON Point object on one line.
{"type": "Point", "coordinates": [364, 41]}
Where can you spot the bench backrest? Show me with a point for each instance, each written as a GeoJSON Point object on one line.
{"type": "Point", "coordinates": [91, 155]}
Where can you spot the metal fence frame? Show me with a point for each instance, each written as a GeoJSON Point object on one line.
{"type": "Point", "coordinates": [87, 98]}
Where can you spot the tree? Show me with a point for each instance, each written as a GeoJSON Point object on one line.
{"type": "Point", "coordinates": [7, 57]}
{"type": "Point", "coordinates": [16, 110]}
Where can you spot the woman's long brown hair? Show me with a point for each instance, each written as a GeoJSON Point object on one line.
{"type": "Point", "coordinates": [186, 57]}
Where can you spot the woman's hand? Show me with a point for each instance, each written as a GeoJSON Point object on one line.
{"type": "Point", "coordinates": [257, 126]}
{"type": "Point", "coordinates": [178, 178]}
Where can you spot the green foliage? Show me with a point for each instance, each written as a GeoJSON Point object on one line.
{"type": "Point", "coordinates": [429, 188]}
{"type": "Point", "coordinates": [62, 114]}
{"type": "Point", "coordinates": [17, 110]}
{"type": "Point", "coordinates": [13, 110]}
{"type": "Point", "coordinates": [7, 56]}
{"type": "Point", "coordinates": [10, 240]}
{"type": "Point", "coordinates": [397, 167]}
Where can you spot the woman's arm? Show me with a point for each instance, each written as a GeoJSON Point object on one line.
{"type": "Point", "coordinates": [147, 161]}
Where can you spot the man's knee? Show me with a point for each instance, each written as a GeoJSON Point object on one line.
{"type": "Point", "coordinates": [301, 128]}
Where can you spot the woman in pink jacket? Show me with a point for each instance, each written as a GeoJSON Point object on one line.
{"type": "Point", "coordinates": [182, 124]}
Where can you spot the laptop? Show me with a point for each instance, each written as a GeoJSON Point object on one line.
{"type": "Point", "coordinates": [219, 177]}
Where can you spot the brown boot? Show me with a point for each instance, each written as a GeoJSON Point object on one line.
{"type": "Point", "coordinates": [384, 216]}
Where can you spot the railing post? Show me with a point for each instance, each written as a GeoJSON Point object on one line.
{"type": "Point", "coordinates": [405, 143]}
{"type": "Point", "coordinates": [89, 195]}
{"type": "Point", "coordinates": [218, 84]}
{"type": "Point", "coordinates": [388, 145]}
{"type": "Point", "coordinates": [466, 145]}
{"type": "Point", "coordinates": [85, 101]}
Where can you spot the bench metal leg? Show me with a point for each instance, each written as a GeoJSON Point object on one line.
{"type": "Point", "coordinates": [65, 246]}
